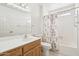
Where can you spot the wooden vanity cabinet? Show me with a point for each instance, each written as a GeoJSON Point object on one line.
{"type": "Point", "coordinates": [29, 53]}
{"type": "Point", "coordinates": [30, 49]}
{"type": "Point", "coordinates": [37, 51]}
{"type": "Point", "coordinates": [12, 52]}
{"type": "Point", "coordinates": [34, 52]}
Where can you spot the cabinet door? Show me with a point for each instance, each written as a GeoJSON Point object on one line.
{"type": "Point", "coordinates": [4, 54]}
{"type": "Point", "coordinates": [29, 53]}
{"type": "Point", "coordinates": [30, 46]}
{"type": "Point", "coordinates": [34, 52]}
{"type": "Point", "coordinates": [13, 52]}
{"type": "Point", "coordinates": [37, 51]}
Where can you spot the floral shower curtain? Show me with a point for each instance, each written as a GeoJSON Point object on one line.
{"type": "Point", "coordinates": [49, 30]}
{"type": "Point", "coordinates": [46, 29]}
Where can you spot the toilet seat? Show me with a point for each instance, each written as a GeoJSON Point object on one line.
{"type": "Point", "coordinates": [46, 45]}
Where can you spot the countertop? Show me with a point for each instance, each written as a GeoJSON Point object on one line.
{"type": "Point", "coordinates": [9, 43]}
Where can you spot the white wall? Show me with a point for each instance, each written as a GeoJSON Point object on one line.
{"type": "Point", "coordinates": [39, 10]}
{"type": "Point", "coordinates": [52, 6]}
{"type": "Point", "coordinates": [66, 29]}
{"type": "Point", "coordinates": [36, 21]}
{"type": "Point", "coordinates": [36, 14]}
{"type": "Point", "coordinates": [14, 14]}
{"type": "Point", "coordinates": [12, 20]}
{"type": "Point", "coordinates": [70, 41]}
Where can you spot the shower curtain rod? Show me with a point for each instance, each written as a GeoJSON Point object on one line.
{"type": "Point", "coordinates": [53, 12]}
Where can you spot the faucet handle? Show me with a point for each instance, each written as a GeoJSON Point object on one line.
{"type": "Point", "coordinates": [25, 35]}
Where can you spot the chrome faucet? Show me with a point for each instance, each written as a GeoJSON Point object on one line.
{"type": "Point", "coordinates": [25, 36]}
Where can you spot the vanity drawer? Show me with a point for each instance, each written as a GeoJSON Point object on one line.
{"type": "Point", "coordinates": [13, 52]}
{"type": "Point", "coordinates": [31, 45]}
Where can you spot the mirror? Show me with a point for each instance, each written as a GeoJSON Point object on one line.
{"type": "Point", "coordinates": [13, 21]}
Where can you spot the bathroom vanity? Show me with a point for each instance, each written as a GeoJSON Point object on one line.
{"type": "Point", "coordinates": [19, 47]}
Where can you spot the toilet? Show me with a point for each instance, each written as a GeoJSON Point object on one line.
{"type": "Point", "coordinates": [45, 47]}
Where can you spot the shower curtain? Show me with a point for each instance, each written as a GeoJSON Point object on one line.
{"type": "Point", "coordinates": [49, 30]}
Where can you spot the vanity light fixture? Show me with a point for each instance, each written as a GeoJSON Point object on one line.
{"type": "Point", "coordinates": [21, 6]}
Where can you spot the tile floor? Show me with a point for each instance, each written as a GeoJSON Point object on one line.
{"type": "Point", "coordinates": [63, 51]}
